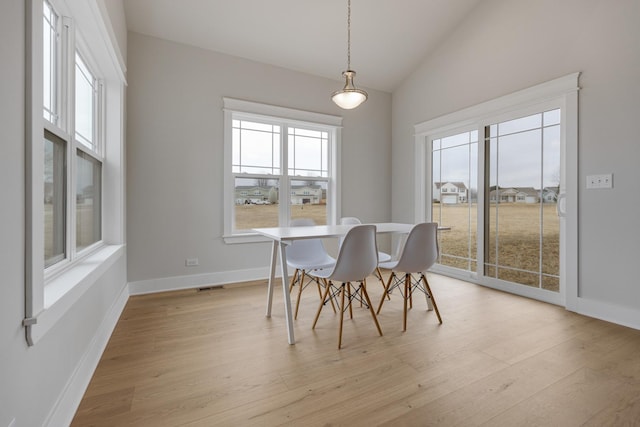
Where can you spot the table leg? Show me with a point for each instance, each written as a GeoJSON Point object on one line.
{"type": "Point", "coordinates": [286, 294]}
{"type": "Point", "coordinates": [272, 277]}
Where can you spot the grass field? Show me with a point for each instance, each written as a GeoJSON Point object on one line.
{"type": "Point", "coordinates": [254, 216]}
{"type": "Point", "coordinates": [518, 244]}
{"type": "Point", "coordinates": [520, 250]}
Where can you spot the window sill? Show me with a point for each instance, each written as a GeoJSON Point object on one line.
{"type": "Point", "coordinates": [234, 239]}
{"type": "Point", "coordinates": [65, 289]}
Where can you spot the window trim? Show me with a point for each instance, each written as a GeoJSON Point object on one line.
{"type": "Point", "coordinates": [232, 108]}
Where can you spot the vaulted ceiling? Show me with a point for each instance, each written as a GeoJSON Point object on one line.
{"type": "Point", "coordinates": [389, 38]}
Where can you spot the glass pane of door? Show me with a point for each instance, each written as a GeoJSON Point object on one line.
{"type": "Point", "coordinates": [454, 198]}
{"type": "Point", "coordinates": [523, 177]}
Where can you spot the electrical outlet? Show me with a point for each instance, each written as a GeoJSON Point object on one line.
{"type": "Point", "coordinates": [12, 423]}
{"type": "Point", "coordinates": [191, 262]}
{"type": "Point", "coordinates": [600, 181]}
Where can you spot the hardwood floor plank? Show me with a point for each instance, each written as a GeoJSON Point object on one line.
{"type": "Point", "coordinates": [211, 358]}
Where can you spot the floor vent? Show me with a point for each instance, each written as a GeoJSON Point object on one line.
{"type": "Point", "coordinates": [210, 288]}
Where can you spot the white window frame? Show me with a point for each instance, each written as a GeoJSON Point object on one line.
{"type": "Point", "coordinates": [246, 110]}
{"type": "Point", "coordinates": [51, 292]}
{"type": "Point", "coordinates": [558, 93]}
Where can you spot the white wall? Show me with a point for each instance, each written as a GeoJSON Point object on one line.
{"type": "Point", "coordinates": [114, 11]}
{"type": "Point", "coordinates": [42, 383]}
{"type": "Point", "coordinates": [175, 165]}
{"type": "Point", "coordinates": [508, 45]}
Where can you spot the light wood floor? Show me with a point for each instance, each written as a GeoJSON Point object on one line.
{"type": "Point", "coordinates": [211, 358]}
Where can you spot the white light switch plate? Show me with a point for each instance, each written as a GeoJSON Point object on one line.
{"type": "Point", "coordinates": [600, 181]}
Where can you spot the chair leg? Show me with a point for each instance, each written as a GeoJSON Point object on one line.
{"type": "Point", "coordinates": [299, 294]}
{"type": "Point", "coordinates": [410, 292]}
{"type": "Point", "coordinates": [333, 306]}
{"type": "Point", "coordinates": [433, 300]}
{"type": "Point", "coordinates": [349, 299]}
{"type": "Point", "coordinates": [386, 289]}
{"type": "Point", "coordinates": [342, 290]}
{"type": "Point", "coordinates": [319, 286]}
{"type": "Point", "coordinates": [293, 280]}
{"type": "Point", "coordinates": [363, 288]}
{"type": "Point", "coordinates": [378, 273]}
{"type": "Point", "coordinates": [407, 291]}
{"type": "Point", "coordinates": [326, 292]}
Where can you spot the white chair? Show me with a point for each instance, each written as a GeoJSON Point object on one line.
{"type": "Point", "coordinates": [357, 259]}
{"type": "Point", "coordinates": [382, 256]}
{"type": "Point", "coordinates": [420, 252]}
{"type": "Point", "coordinates": [304, 256]}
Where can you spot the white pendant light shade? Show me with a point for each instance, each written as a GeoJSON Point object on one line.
{"type": "Point", "coordinates": [349, 97]}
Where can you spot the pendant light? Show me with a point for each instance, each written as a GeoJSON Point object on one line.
{"type": "Point", "coordinates": [349, 96]}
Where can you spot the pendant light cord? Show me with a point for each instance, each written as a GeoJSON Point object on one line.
{"type": "Point", "coordinates": [348, 34]}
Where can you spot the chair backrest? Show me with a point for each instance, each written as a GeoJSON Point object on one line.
{"type": "Point", "coordinates": [358, 256]}
{"type": "Point", "coordinates": [301, 222]}
{"type": "Point", "coordinates": [348, 220]}
{"type": "Point", "coordinates": [420, 250]}
{"type": "Point", "coordinates": [305, 251]}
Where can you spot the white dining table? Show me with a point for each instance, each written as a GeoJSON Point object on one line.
{"type": "Point", "coordinates": [284, 236]}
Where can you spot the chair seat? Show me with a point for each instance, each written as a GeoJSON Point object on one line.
{"type": "Point", "coordinates": [388, 265]}
{"type": "Point", "coordinates": [316, 263]}
{"type": "Point", "coordinates": [383, 257]}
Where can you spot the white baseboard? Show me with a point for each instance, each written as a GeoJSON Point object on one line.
{"type": "Point", "coordinates": [198, 280]}
{"type": "Point", "coordinates": [65, 407]}
{"type": "Point", "coordinates": [618, 314]}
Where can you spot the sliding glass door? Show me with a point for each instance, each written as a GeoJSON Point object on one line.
{"type": "Point", "coordinates": [522, 183]}
{"type": "Point", "coordinates": [501, 180]}
{"type": "Point", "coordinates": [495, 199]}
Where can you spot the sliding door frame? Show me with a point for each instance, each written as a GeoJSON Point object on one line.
{"type": "Point", "coordinates": [560, 93]}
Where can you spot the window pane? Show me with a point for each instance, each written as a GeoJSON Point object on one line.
{"type": "Point", "coordinates": [552, 117]}
{"type": "Point", "coordinates": [308, 199]}
{"type": "Point", "coordinates": [308, 152]}
{"type": "Point", "coordinates": [49, 63]}
{"type": "Point", "coordinates": [256, 203]}
{"type": "Point", "coordinates": [255, 148]}
{"type": "Point", "coordinates": [455, 140]}
{"type": "Point", "coordinates": [88, 201]}
{"type": "Point", "coordinates": [54, 199]}
{"type": "Point", "coordinates": [518, 125]}
{"type": "Point", "coordinates": [85, 90]}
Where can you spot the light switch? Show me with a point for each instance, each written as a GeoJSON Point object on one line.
{"type": "Point", "coordinates": [600, 181]}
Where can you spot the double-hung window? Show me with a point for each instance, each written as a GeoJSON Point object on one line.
{"type": "Point", "coordinates": [280, 164]}
{"type": "Point", "coordinates": [75, 97]}
{"type": "Point", "coordinates": [72, 106]}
